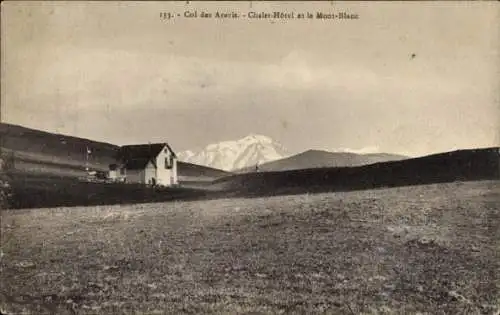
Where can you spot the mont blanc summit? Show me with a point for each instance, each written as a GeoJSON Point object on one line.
{"type": "Point", "coordinates": [233, 155]}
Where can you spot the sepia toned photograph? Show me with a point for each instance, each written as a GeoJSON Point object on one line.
{"type": "Point", "coordinates": [250, 157]}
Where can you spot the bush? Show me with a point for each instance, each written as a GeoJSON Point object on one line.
{"type": "Point", "coordinates": [5, 188]}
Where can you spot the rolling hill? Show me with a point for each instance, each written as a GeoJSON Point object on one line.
{"type": "Point", "coordinates": [461, 165]}
{"type": "Point", "coordinates": [31, 147]}
{"type": "Point", "coordinates": [189, 172]}
{"type": "Point", "coordinates": [321, 159]}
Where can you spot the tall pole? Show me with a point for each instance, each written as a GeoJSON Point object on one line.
{"type": "Point", "coordinates": [87, 153]}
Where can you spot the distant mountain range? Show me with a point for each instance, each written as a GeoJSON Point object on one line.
{"type": "Point", "coordinates": [232, 155]}
{"type": "Point", "coordinates": [245, 154]}
{"type": "Point", "coordinates": [37, 150]}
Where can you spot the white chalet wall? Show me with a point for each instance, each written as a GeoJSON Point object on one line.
{"type": "Point", "coordinates": [166, 176]}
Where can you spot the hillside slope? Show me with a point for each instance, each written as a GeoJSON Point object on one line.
{"type": "Point", "coordinates": [462, 165]}
{"type": "Point", "coordinates": [190, 171]}
{"type": "Point", "coordinates": [30, 145]}
{"type": "Point", "coordinates": [321, 159]}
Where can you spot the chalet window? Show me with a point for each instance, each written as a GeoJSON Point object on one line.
{"type": "Point", "coordinates": [168, 163]}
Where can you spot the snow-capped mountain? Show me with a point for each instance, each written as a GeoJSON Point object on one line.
{"type": "Point", "coordinates": [232, 155]}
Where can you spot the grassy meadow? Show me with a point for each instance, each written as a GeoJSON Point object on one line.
{"type": "Point", "coordinates": [430, 249]}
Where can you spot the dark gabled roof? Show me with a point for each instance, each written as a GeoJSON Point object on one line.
{"type": "Point", "coordinates": [140, 151]}
{"type": "Point", "coordinates": [136, 164]}
{"type": "Point", "coordinates": [137, 156]}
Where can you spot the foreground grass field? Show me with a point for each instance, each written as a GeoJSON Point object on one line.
{"type": "Point", "coordinates": [430, 249]}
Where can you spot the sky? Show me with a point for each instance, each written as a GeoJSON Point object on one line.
{"type": "Point", "coordinates": [411, 78]}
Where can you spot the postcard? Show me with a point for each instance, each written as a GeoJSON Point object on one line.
{"type": "Point", "coordinates": [249, 157]}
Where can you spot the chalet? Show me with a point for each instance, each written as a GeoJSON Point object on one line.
{"type": "Point", "coordinates": [153, 164]}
